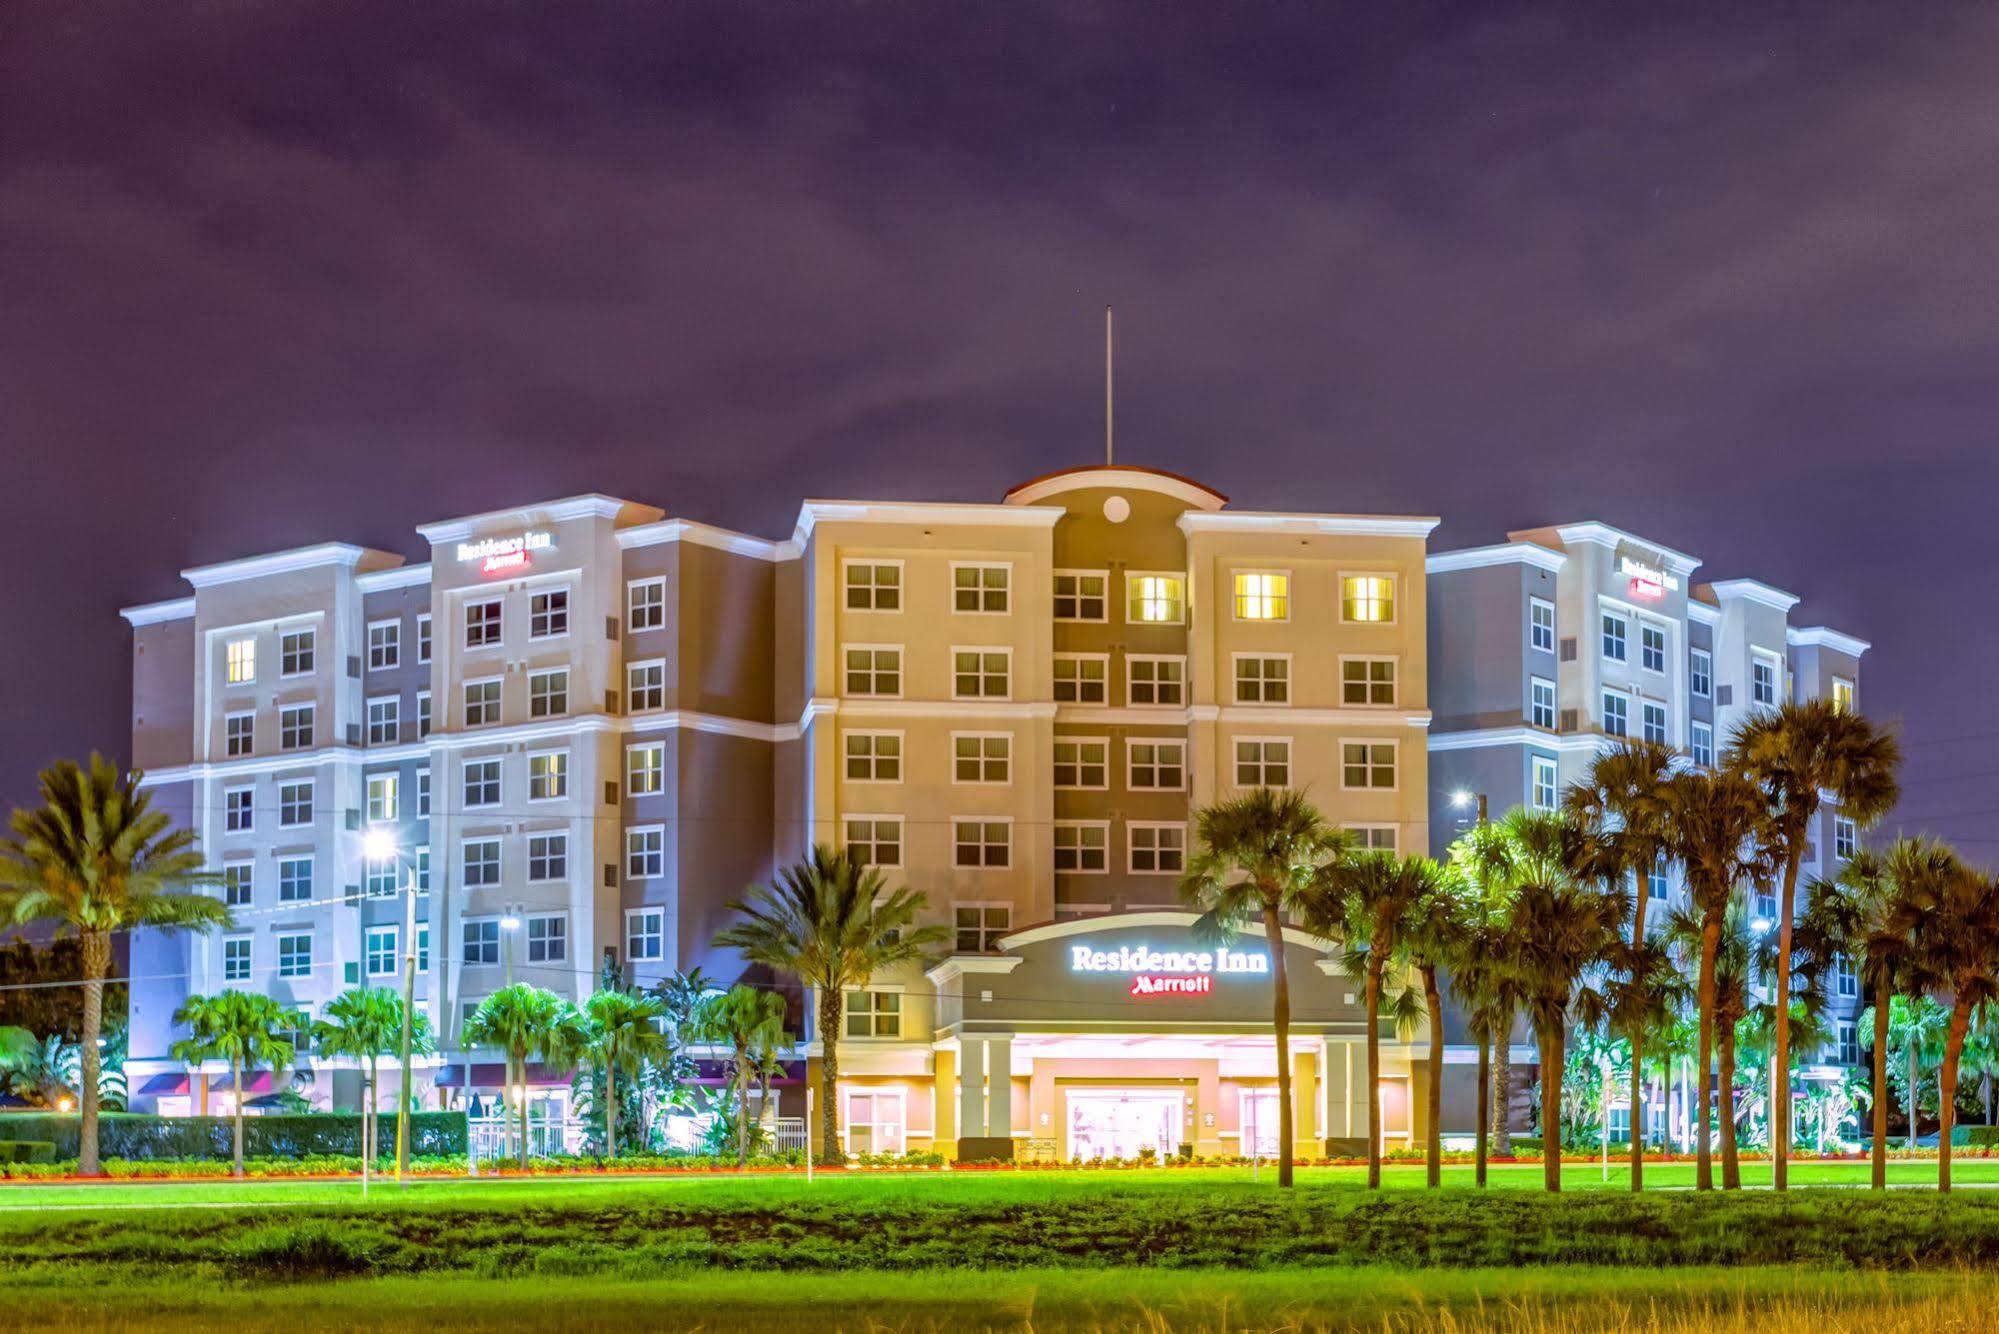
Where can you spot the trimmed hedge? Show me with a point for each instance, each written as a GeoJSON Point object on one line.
{"type": "Point", "coordinates": [27, 1151]}
{"type": "Point", "coordinates": [135, 1137]}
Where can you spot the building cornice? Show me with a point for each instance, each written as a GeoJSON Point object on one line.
{"type": "Point", "coordinates": [815, 512]}
{"type": "Point", "coordinates": [1504, 553]}
{"type": "Point", "coordinates": [1754, 590]}
{"type": "Point", "coordinates": [340, 554]}
{"type": "Point", "coordinates": [594, 505]}
{"type": "Point", "coordinates": [1120, 921]}
{"type": "Point", "coordinates": [406, 576]}
{"type": "Point", "coordinates": [705, 535]}
{"type": "Point", "coordinates": [1593, 533]}
{"type": "Point", "coordinates": [1342, 525]}
{"type": "Point", "coordinates": [1703, 612]}
{"type": "Point", "coordinates": [1115, 477]}
{"type": "Point", "coordinates": [1482, 738]}
{"type": "Point", "coordinates": [951, 969]}
{"type": "Point", "coordinates": [153, 613]}
{"type": "Point", "coordinates": [1824, 636]}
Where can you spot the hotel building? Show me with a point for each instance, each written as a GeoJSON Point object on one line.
{"type": "Point", "coordinates": [589, 726]}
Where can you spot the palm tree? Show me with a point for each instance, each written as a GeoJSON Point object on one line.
{"type": "Point", "coordinates": [1375, 902]}
{"type": "Point", "coordinates": [626, 1032]}
{"type": "Point", "coordinates": [1954, 926]}
{"type": "Point", "coordinates": [1794, 753]}
{"type": "Point", "coordinates": [1621, 805]}
{"type": "Point", "coordinates": [366, 1023]}
{"type": "Point", "coordinates": [1488, 857]}
{"type": "Point", "coordinates": [246, 1028]}
{"type": "Point", "coordinates": [1711, 822]}
{"type": "Point", "coordinates": [1433, 941]}
{"type": "Point", "coordinates": [527, 1023]}
{"type": "Point", "coordinates": [1734, 964]}
{"type": "Point", "coordinates": [1562, 927]}
{"type": "Point", "coordinates": [750, 1023]}
{"type": "Point", "coordinates": [832, 922]}
{"type": "Point", "coordinates": [1260, 856]}
{"type": "Point", "coordinates": [95, 858]}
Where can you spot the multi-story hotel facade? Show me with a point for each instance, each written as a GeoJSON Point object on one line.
{"type": "Point", "coordinates": [588, 727]}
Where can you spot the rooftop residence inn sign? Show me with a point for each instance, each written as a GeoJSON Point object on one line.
{"type": "Point", "coordinates": [1170, 972]}
{"type": "Point", "coordinates": [1649, 577]}
{"type": "Point", "coordinates": [503, 555]}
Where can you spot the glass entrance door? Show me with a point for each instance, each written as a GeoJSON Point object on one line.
{"type": "Point", "coordinates": [1118, 1123]}
{"type": "Point", "coordinates": [1259, 1123]}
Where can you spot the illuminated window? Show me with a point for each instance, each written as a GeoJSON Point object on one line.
{"type": "Point", "coordinates": [1160, 682]}
{"type": "Point", "coordinates": [240, 661]}
{"type": "Point", "coordinates": [1616, 638]}
{"type": "Point", "coordinates": [1260, 680]}
{"type": "Point", "coordinates": [1263, 762]}
{"type": "Point", "coordinates": [238, 814]}
{"type": "Point", "coordinates": [296, 653]}
{"type": "Point", "coordinates": [1262, 597]}
{"type": "Point", "coordinates": [1842, 694]}
{"type": "Point", "coordinates": [1157, 765]}
{"type": "Point", "coordinates": [1081, 848]}
{"type": "Point", "coordinates": [981, 673]}
{"type": "Point", "coordinates": [982, 843]}
{"type": "Point", "coordinates": [1079, 595]}
{"type": "Point", "coordinates": [1367, 764]}
{"type": "Point", "coordinates": [1652, 722]}
{"type": "Point", "coordinates": [874, 1014]}
{"type": "Point", "coordinates": [548, 775]}
{"type": "Point", "coordinates": [1701, 744]}
{"type": "Point", "coordinates": [1541, 703]}
{"type": "Point", "coordinates": [1367, 681]}
{"type": "Point", "coordinates": [875, 839]}
{"type": "Point", "coordinates": [548, 857]}
{"type": "Point", "coordinates": [482, 782]}
{"type": "Point", "coordinates": [874, 671]}
{"type": "Point", "coordinates": [1080, 678]}
{"type": "Point", "coordinates": [482, 862]}
{"type": "Point", "coordinates": [385, 645]}
{"type": "Point", "coordinates": [295, 954]}
{"type": "Point", "coordinates": [381, 950]}
{"type": "Point", "coordinates": [645, 685]}
{"type": "Point", "coordinates": [1845, 838]}
{"type": "Point", "coordinates": [548, 693]}
{"type": "Point", "coordinates": [382, 797]}
{"type": "Point", "coordinates": [236, 959]}
{"type": "Point", "coordinates": [384, 720]}
{"type": "Point", "coordinates": [548, 614]}
{"type": "Point", "coordinates": [295, 880]}
{"type": "Point", "coordinates": [1700, 673]}
{"type": "Point", "coordinates": [874, 757]}
{"type": "Point", "coordinates": [645, 934]}
{"type": "Point", "coordinates": [645, 604]}
{"type": "Point", "coordinates": [645, 852]}
{"type": "Point", "coordinates": [1156, 598]}
{"type": "Point", "coordinates": [1157, 849]}
{"type": "Point", "coordinates": [980, 925]}
{"type": "Point", "coordinates": [237, 878]}
{"type": "Point", "coordinates": [645, 769]}
{"type": "Point", "coordinates": [295, 727]}
{"type": "Point", "coordinates": [1541, 624]}
{"type": "Point", "coordinates": [548, 938]}
{"type": "Point", "coordinates": [874, 585]}
{"type": "Point", "coordinates": [981, 758]}
{"type": "Point", "coordinates": [482, 623]}
{"type": "Point", "coordinates": [980, 588]}
{"type": "Point", "coordinates": [1367, 598]}
{"type": "Point", "coordinates": [1616, 714]}
{"type": "Point", "coordinates": [294, 804]}
{"type": "Point", "coordinates": [239, 732]}
{"type": "Point", "coordinates": [482, 703]}
{"type": "Point", "coordinates": [1082, 762]}
{"type": "Point", "coordinates": [1546, 784]}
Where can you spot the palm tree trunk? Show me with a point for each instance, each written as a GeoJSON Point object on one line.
{"type": "Point", "coordinates": [521, 1069]}
{"type": "Point", "coordinates": [96, 964]}
{"type": "Point", "coordinates": [1280, 1022]}
{"type": "Point", "coordinates": [610, 1109]}
{"type": "Point", "coordinates": [1373, 1070]}
{"type": "Point", "coordinates": [1780, 1065]}
{"type": "Point", "coordinates": [764, 1076]}
{"type": "Point", "coordinates": [742, 1113]}
{"type": "Point", "coordinates": [1484, 1108]}
{"type": "Point", "coordinates": [1703, 1147]}
{"type": "Point", "coordinates": [1666, 1101]}
{"type": "Point", "coordinates": [1637, 1040]}
{"type": "Point", "coordinates": [1551, 1107]}
{"type": "Point", "coordinates": [1731, 1163]}
{"type": "Point", "coordinates": [1502, 1088]}
{"type": "Point", "coordinates": [236, 1081]}
{"type": "Point", "coordinates": [831, 1002]}
{"type": "Point", "coordinates": [1879, 1150]}
{"type": "Point", "coordinates": [1960, 1022]}
{"type": "Point", "coordinates": [1914, 1074]}
{"type": "Point", "coordinates": [1434, 1159]}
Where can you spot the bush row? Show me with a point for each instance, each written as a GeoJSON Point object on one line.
{"type": "Point", "coordinates": [191, 1138]}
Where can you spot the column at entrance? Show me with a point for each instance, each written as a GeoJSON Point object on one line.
{"type": "Point", "coordinates": [1349, 1108]}
{"type": "Point", "coordinates": [985, 1100]}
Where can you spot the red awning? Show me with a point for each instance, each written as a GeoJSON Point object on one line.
{"type": "Point", "coordinates": [165, 1086]}
{"type": "Point", "coordinates": [493, 1075]}
{"type": "Point", "coordinates": [259, 1081]}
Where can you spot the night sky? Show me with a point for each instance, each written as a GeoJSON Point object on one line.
{"type": "Point", "coordinates": [273, 274]}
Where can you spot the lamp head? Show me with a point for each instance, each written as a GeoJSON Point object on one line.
{"type": "Point", "coordinates": [379, 843]}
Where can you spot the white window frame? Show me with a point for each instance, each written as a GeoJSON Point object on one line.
{"type": "Point", "coordinates": [1539, 687]}
{"type": "Point", "coordinates": [874, 589]}
{"type": "Point", "coordinates": [1394, 682]}
{"type": "Point", "coordinates": [1236, 661]}
{"type": "Point", "coordinates": [645, 832]}
{"type": "Point", "coordinates": [382, 796]}
{"type": "Point", "coordinates": [1776, 666]}
{"type": "Point", "coordinates": [230, 867]}
{"type": "Point", "coordinates": [1394, 750]}
{"type": "Point", "coordinates": [632, 671]}
{"type": "Point", "coordinates": [1058, 741]}
{"type": "Point", "coordinates": [1845, 830]}
{"type": "Point", "coordinates": [874, 842]}
{"type": "Point", "coordinates": [248, 942]}
{"type": "Point", "coordinates": [539, 677]}
{"type": "Point", "coordinates": [1131, 743]}
{"type": "Point", "coordinates": [851, 1011]}
{"type": "Point", "coordinates": [655, 931]}
{"type": "Point", "coordinates": [231, 810]}
{"type": "Point", "coordinates": [391, 649]}
{"type": "Point", "coordinates": [498, 942]}
{"type": "Point", "coordinates": [1131, 848]}
{"type": "Point", "coordinates": [982, 650]}
{"type": "Point", "coordinates": [982, 738]}
{"type": "Point", "coordinates": [1262, 761]}
{"type": "Point", "coordinates": [1394, 833]}
{"type": "Point", "coordinates": [1103, 682]}
{"type": "Point", "coordinates": [549, 613]}
{"type": "Point", "coordinates": [309, 650]}
{"type": "Point", "coordinates": [287, 716]}
{"type": "Point", "coordinates": [1648, 626]}
{"type": "Point", "coordinates": [393, 722]}
{"type": "Point", "coordinates": [1131, 596]}
{"type": "Point", "coordinates": [1177, 659]}
{"type": "Point", "coordinates": [983, 929]}
{"type": "Point", "coordinates": [249, 738]}
{"type": "Point", "coordinates": [1845, 694]}
{"type": "Point", "coordinates": [1394, 596]}
{"type": "Point", "coordinates": [528, 923]}
{"type": "Point", "coordinates": [1104, 575]}
{"type": "Point", "coordinates": [499, 700]}
{"type": "Point", "coordinates": [874, 671]}
{"type": "Point", "coordinates": [547, 855]}
{"type": "Point", "coordinates": [498, 623]}
{"type": "Point", "coordinates": [1695, 746]}
{"type": "Point", "coordinates": [245, 661]}
{"type": "Point", "coordinates": [1280, 597]}
{"type": "Point", "coordinates": [1535, 627]}
{"type": "Point", "coordinates": [285, 864]}
{"type": "Point", "coordinates": [982, 566]}
{"type": "Point", "coordinates": [1608, 617]}
{"type": "Point", "coordinates": [1646, 709]}
{"type": "Point", "coordinates": [1623, 699]}
{"type": "Point", "coordinates": [288, 968]}
{"type": "Point", "coordinates": [633, 587]}
{"type": "Point", "coordinates": [561, 771]}
{"type": "Point", "coordinates": [311, 787]}
{"type": "Point", "coordinates": [465, 781]}
{"type": "Point", "coordinates": [370, 942]}
{"type": "Point", "coordinates": [1103, 827]}
{"type": "Point", "coordinates": [465, 846]}
{"type": "Point", "coordinates": [423, 638]}
{"type": "Point", "coordinates": [658, 750]}
{"type": "Point", "coordinates": [1700, 673]}
{"type": "Point", "coordinates": [1538, 765]}
{"type": "Point", "coordinates": [423, 715]}
{"type": "Point", "coordinates": [873, 736]}
{"type": "Point", "coordinates": [983, 864]}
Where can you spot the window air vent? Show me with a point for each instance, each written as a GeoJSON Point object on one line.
{"type": "Point", "coordinates": [353, 734]}
{"type": "Point", "coordinates": [610, 794]}
{"type": "Point", "coordinates": [610, 875]}
{"type": "Point", "coordinates": [353, 667]}
{"type": "Point", "coordinates": [353, 819]}
{"type": "Point", "coordinates": [1570, 719]}
{"type": "Point", "coordinates": [1724, 694]}
{"type": "Point", "coordinates": [1569, 649]}
{"type": "Point", "coordinates": [611, 628]}
{"type": "Point", "coordinates": [353, 973]}
{"type": "Point", "coordinates": [610, 701]}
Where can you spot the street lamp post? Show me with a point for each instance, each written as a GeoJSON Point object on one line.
{"type": "Point", "coordinates": [380, 844]}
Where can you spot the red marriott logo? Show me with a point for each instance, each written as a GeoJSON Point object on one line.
{"type": "Point", "coordinates": [1146, 984]}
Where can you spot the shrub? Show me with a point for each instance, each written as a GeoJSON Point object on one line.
{"type": "Point", "coordinates": [27, 1151]}
{"type": "Point", "coordinates": [133, 1136]}
{"type": "Point", "coordinates": [302, 1250]}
